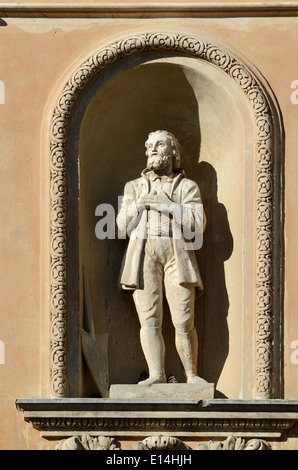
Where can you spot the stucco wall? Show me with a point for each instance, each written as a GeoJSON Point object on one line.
{"type": "Point", "coordinates": [37, 54]}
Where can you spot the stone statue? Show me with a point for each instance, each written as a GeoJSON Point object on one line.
{"type": "Point", "coordinates": [159, 211]}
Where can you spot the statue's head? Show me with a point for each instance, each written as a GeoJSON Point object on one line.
{"type": "Point", "coordinates": [162, 149]}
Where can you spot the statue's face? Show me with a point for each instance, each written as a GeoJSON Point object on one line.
{"type": "Point", "coordinates": [159, 151]}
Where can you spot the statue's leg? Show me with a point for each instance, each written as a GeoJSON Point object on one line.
{"type": "Point", "coordinates": [154, 351]}
{"type": "Point", "coordinates": [181, 300]}
{"type": "Point", "coordinates": [149, 305]}
{"type": "Point", "coordinates": [187, 347]}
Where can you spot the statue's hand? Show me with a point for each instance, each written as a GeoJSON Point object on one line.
{"type": "Point", "coordinates": [157, 202]}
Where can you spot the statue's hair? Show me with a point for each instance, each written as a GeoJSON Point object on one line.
{"type": "Point", "coordinates": [174, 144]}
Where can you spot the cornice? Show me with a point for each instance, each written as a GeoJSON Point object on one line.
{"type": "Point", "coordinates": [150, 10]}
{"type": "Point", "coordinates": [60, 418]}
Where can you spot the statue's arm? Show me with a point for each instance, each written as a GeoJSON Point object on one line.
{"type": "Point", "coordinates": [193, 215]}
{"type": "Point", "coordinates": [128, 211]}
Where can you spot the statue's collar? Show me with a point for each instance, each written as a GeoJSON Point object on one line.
{"type": "Point", "coordinates": [164, 178]}
{"type": "Point", "coordinates": [153, 176]}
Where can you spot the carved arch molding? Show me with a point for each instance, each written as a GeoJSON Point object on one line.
{"type": "Point", "coordinates": [268, 215]}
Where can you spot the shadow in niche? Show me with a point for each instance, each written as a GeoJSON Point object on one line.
{"type": "Point", "coordinates": [115, 127]}
{"type": "Point", "coordinates": [112, 143]}
{"type": "Point", "coordinates": [2, 22]}
{"type": "Point", "coordinates": [213, 306]}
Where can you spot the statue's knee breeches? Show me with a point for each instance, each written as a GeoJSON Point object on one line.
{"type": "Point", "coordinates": [149, 308]}
{"type": "Point", "coordinates": [181, 300]}
{"type": "Point", "coordinates": [184, 327]}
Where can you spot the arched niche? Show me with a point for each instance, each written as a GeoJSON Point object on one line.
{"type": "Point", "coordinates": [224, 119]}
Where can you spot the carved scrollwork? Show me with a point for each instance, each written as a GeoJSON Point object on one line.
{"type": "Point", "coordinates": [264, 213]}
{"type": "Point", "coordinates": [58, 328]}
{"type": "Point", "coordinates": [218, 57]}
{"type": "Point", "coordinates": [257, 99]}
{"type": "Point", "coordinates": [265, 184]}
{"type": "Point", "coordinates": [264, 327]}
{"type": "Point", "coordinates": [66, 101]}
{"type": "Point", "coordinates": [58, 376]}
{"type": "Point", "coordinates": [263, 379]}
{"type": "Point", "coordinates": [192, 46]}
{"type": "Point", "coordinates": [58, 127]}
{"type": "Point", "coordinates": [57, 159]}
{"type": "Point", "coordinates": [236, 443]}
{"type": "Point", "coordinates": [265, 156]}
{"type": "Point", "coordinates": [87, 442]}
{"type": "Point", "coordinates": [242, 76]}
{"type": "Point", "coordinates": [263, 299]}
{"type": "Point", "coordinates": [58, 216]}
{"type": "Point", "coordinates": [135, 43]}
{"type": "Point", "coordinates": [162, 41]}
{"type": "Point", "coordinates": [264, 126]}
{"type": "Point", "coordinates": [264, 242]}
{"type": "Point", "coordinates": [264, 269]}
{"type": "Point", "coordinates": [105, 57]}
{"type": "Point", "coordinates": [252, 89]}
{"type": "Point", "coordinates": [160, 443]}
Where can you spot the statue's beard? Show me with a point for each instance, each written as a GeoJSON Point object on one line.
{"type": "Point", "coordinates": [158, 162]}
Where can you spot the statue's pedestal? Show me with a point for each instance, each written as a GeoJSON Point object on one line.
{"type": "Point", "coordinates": [201, 389]}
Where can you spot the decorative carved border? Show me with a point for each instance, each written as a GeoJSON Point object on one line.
{"type": "Point", "coordinates": [110, 426]}
{"type": "Point", "coordinates": [253, 90]}
{"type": "Point", "coordinates": [160, 443]}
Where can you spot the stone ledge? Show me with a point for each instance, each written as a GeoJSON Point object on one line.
{"type": "Point", "coordinates": [127, 10]}
{"type": "Point", "coordinates": [200, 390]}
{"type": "Point", "coordinates": [60, 418]}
